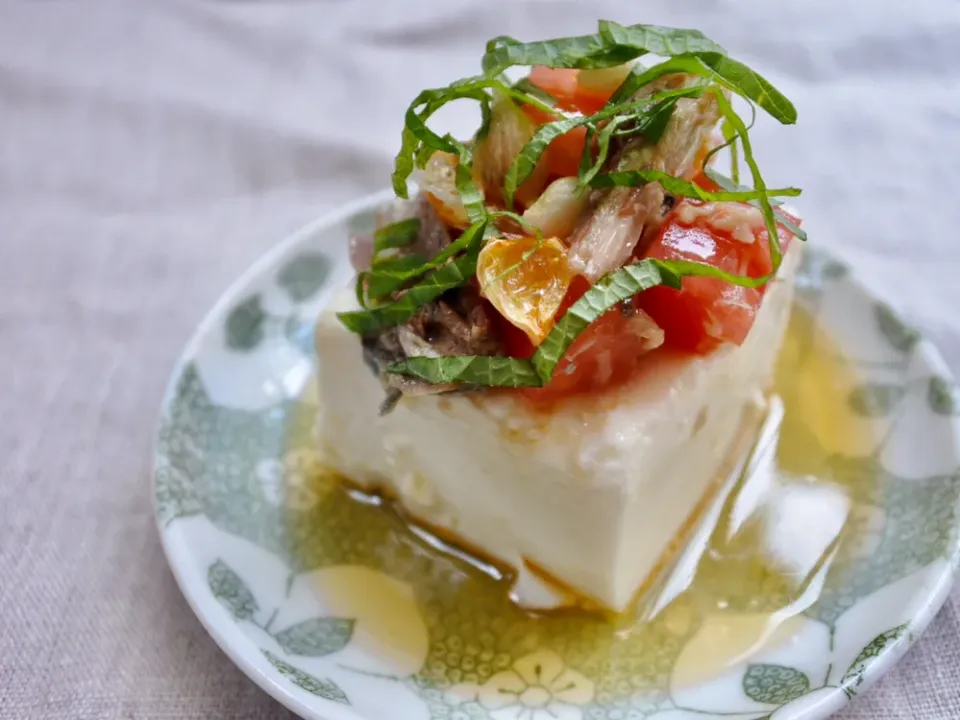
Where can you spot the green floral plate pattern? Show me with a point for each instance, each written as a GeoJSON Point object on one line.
{"type": "Point", "coordinates": [301, 590]}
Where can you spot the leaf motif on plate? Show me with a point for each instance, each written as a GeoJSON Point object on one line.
{"type": "Point", "coordinates": [834, 270]}
{"type": "Point", "coordinates": [898, 333]}
{"type": "Point", "coordinates": [942, 396]}
{"type": "Point", "coordinates": [304, 275]}
{"type": "Point", "coordinates": [230, 589]}
{"type": "Point", "coordinates": [245, 325]}
{"type": "Point", "coordinates": [320, 687]}
{"type": "Point", "coordinates": [854, 675]}
{"type": "Point", "coordinates": [774, 684]}
{"type": "Point", "coordinates": [874, 399]}
{"type": "Point", "coordinates": [175, 495]}
{"type": "Point", "coordinates": [316, 637]}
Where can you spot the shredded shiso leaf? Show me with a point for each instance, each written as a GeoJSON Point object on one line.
{"type": "Point", "coordinates": [422, 280]}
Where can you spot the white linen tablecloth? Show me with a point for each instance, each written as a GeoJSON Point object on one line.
{"type": "Point", "coordinates": [150, 151]}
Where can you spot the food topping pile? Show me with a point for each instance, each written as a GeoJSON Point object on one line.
{"type": "Point", "coordinates": [581, 227]}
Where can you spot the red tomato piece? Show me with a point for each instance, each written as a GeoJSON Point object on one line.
{"type": "Point", "coordinates": [707, 312]}
{"type": "Point", "coordinates": [604, 355]}
{"type": "Point", "coordinates": [704, 314]}
{"type": "Point", "coordinates": [563, 154]}
{"type": "Point", "coordinates": [561, 83]}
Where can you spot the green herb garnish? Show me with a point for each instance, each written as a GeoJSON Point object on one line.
{"type": "Point", "coordinates": [419, 141]}
{"type": "Point", "coordinates": [385, 278]}
{"type": "Point", "coordinates": [685, 188]}
{"type": "Point", "coordinates": [628, 114]}
{"type": "Point", "coordinates": [387, 275]}
{"type": "Point", "coordinates": [620, 285]}
{"type": "Point", "coordinates": [452, 275]}
{"type": "Point", "coordinates": [525, 162]}
{"type": "Point", "coordinates": [395, 235]}
{"type": "Point", "coordinates": [730, 136]}
{"type": "Point", "coordinates": [722, 70]}
{"type": "Point", "coordinates": [482, 370]}
{"type": "Point", "coordinates": [389, 237]}
{"type": "Point", "coordinates": [588, 170]}
{"type": "Point", "coordinates": [764, 201]}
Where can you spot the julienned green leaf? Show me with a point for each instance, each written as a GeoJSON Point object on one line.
{"type": "Point", "coordinates": [384, 279]}
{"type": "Point", "coordinates": [525, 86]}
{"type": "Point", "coordinates": [525, 162]}
{"type": "Point", "coordinates": [614, 44]}
{"type": "Point", "coordinates": [404, 163]}
{"type": "Point", "coordinates": [389, 274]}
{"type": "Point", "coordinates": [622, 284]}
{"type": "Point", "coordinates": [619, 285]}
{"type": "Point", "coordinates": [588, 173]}
{"type": "Point", "coordinates": [695, 269]}
{"type": "Point", "coordinates": [719, 69]}
{"type": "Point", "coordinates": [485, 371]}
{"type": "Point", "coordinates": [726, 109]}
{"type": "Point", "coordinates": [681, 187]}
{"type": "Point", "coordinates": [641, 76]}
{"type": "Point", "coordinates": [586, 155]}
{"type": "Point", "coordinates": [528, 157]}
{"type": "Point", "coordinates": [658, 40]}
{"type": "Point", "coordinates": [731, 186]}
{"type": "Point", "coordinates": [730, 139]}
{"type": "Point", "coordinates": [417, 136]}
{"type": "Point", "coordinates": [452, 275]}
{"type": "Point", "coordinates": [395, 235]}
{"type": "Point", "coordinates": [470, 370]}
{"type": "Point", "coordinates": [470, 193]}
{"type": "Point", "coordinates": [430, 101]}
{"type": "Point", "coordinates": [584, 52]}
{"type": "Point", "coordinates": [654, 123]}
{"type": "Point", "coordinates": [744, 81]}
{"type": "Point", "coordinates": [419, 141]}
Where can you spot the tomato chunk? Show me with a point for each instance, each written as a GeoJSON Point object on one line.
{"type": "Point", "coordinates": [563, 154]}
{"type": "Point", "coordinates": [708, 312]}
{"type": "Point", "coordinates": [702, 315]}
{"type": "Point", "coordinates": [561, 83]}
{"type": "Point", "coordinates": [606, 354]}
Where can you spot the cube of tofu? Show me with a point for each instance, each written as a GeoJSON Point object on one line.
{"type": "Point", "coordinates": [592, 494]}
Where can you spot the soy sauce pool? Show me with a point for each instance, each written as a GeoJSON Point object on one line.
{"type": "Point", "coordinates": [776, 535]}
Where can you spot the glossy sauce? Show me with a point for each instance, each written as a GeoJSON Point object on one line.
{"type": "Point", "coordinates": [771, 539]}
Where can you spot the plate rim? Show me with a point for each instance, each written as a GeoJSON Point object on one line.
{"type": "Point", "coordinates": [248, 660]}
{"type": "Point", "coordinates": [246, 656]}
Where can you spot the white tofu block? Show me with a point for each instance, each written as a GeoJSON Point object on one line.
{"type": "Point", "coordinates": [593, 493]}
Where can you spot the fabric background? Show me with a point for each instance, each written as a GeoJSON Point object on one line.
{"type": "Point", "coordinates": [150, 151]}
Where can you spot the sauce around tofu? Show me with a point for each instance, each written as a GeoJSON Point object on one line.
{"type": "Point", "coordinates": [763, 563]}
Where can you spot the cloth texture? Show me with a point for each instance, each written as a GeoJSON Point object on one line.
{"type": "Point", "coordinates": [150, 151]}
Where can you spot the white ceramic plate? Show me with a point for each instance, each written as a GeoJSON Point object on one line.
{"type": "Point", "coordinates": [305, 594]}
